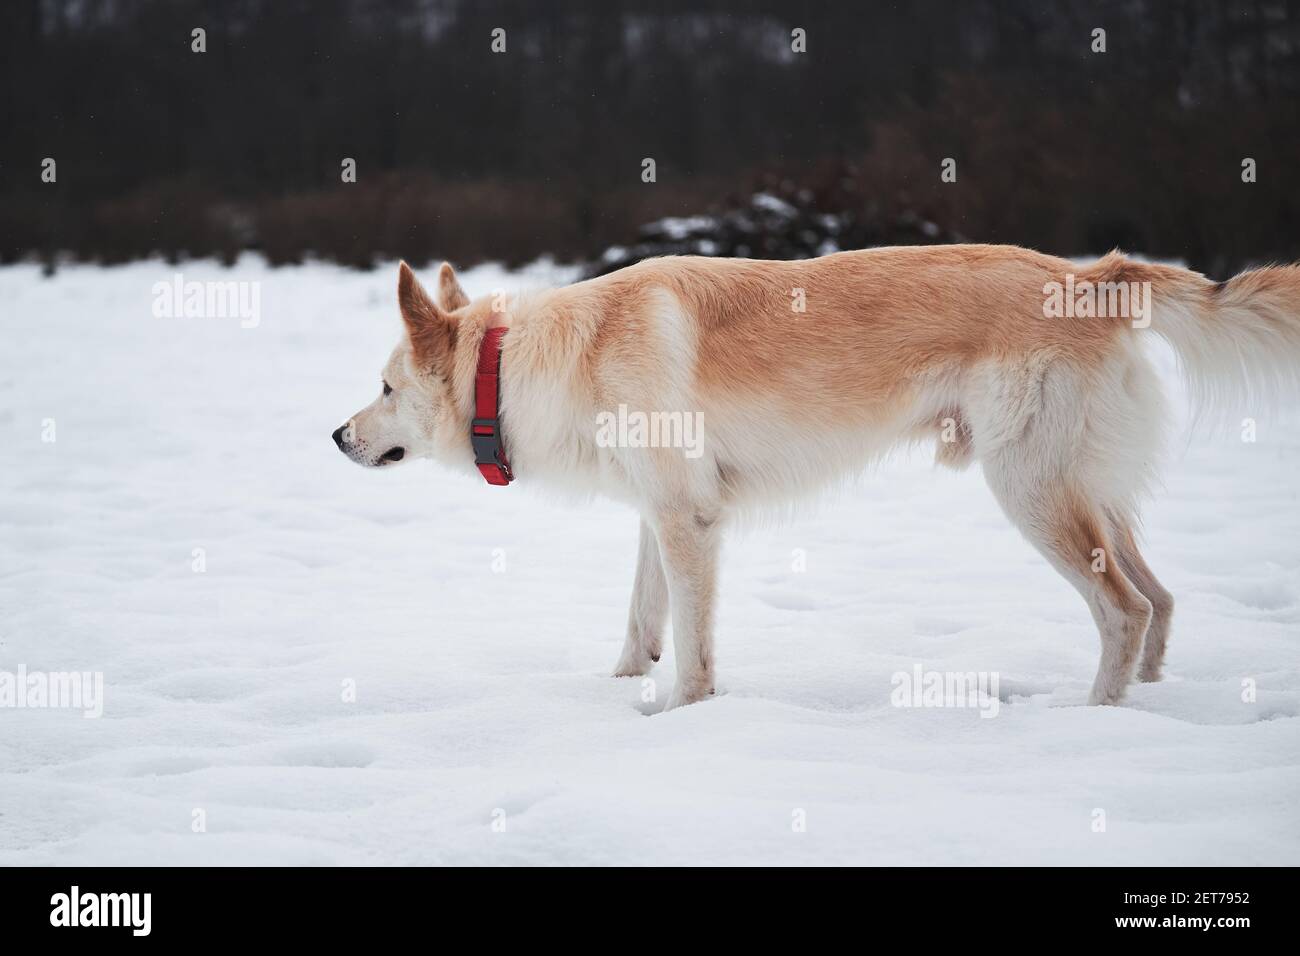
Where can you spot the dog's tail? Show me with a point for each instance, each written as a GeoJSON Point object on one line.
{"type": "Point", "coordinates": [1237, 342]}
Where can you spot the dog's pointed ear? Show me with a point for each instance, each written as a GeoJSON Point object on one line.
{"type": "Point", "coordinates": [450, 294]}
{"type": "Point", "coordinates": [432, 331]}
{"type": "Point", "coordinates": [418, 307]}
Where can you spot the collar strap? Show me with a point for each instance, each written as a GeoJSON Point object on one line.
{"type": "Point", "coordinates": [485, 428]}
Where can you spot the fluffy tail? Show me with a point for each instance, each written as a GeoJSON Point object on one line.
{"type": "Point", "coordinates": [1237, 342]}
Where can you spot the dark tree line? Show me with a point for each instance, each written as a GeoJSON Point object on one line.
{"type": "Point", "coordinates": [468, 154]}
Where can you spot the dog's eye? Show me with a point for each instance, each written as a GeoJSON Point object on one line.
{"type": "Point", "coordinates": [388, 389]}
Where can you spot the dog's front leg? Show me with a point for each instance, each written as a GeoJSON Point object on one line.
{"type": "Point", "coordinates": [649, 611]}
{"type": "Point", "coordinates": [688, 546]}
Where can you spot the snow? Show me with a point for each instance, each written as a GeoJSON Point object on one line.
{"type": "Point", "coordinates": [478, 624]}
{"type": "Point", "coordinates": [778, 207]}
{"type": "Point", "coordinates": [680, 227]}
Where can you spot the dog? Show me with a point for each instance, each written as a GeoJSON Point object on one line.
{"type": "Point", "coordinates": [803, 372]}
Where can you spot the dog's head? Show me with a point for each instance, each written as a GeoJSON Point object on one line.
{"type": "Point", "coordinates": [416, 413]}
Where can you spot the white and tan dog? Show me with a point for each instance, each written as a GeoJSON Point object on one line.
{"type": "Point", "coordinates": [803, 372]}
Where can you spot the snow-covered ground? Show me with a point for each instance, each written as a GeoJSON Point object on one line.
{"type": "Point", "coordinates": [474, 628]}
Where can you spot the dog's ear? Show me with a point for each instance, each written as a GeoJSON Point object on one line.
{"type": "Point", "coordinates": [431, 329]}
{"type": "Point", "coordinates": [450, 294]}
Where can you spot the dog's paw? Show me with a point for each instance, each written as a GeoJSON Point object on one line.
{"type": "Point", "coordinates": [634, 665]}
{"type": "Point", "coordinates": [635, 662]}
{"type": "Point", "coordinates": [681, 696]}
{"type": "Point", "coordinates": [1106, 697]}
{"type": "Point", "coordinates": [630, 670]}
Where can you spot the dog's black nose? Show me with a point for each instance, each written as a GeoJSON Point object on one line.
{"type": "Point", "coordinates": [338, 436]}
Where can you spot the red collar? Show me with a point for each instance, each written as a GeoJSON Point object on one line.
{"type": "Point", "coordinates": [485, 428]}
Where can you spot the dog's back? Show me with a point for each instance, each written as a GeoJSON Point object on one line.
{"type": "Point", "coordinates": [803, 371]}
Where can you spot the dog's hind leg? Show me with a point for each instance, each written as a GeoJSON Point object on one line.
{"type": "Point", "coordinates": [1162, 602]}
{"type": "Point", "coordinates": [1073, 535]}
{"type": "Point", "coordinates": [649, 610]}
{"type": "Point", "coordinates": [1061, 447]}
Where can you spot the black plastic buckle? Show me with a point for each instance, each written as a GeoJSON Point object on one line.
{"type": "Point", "coordinates": [487, 448]}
